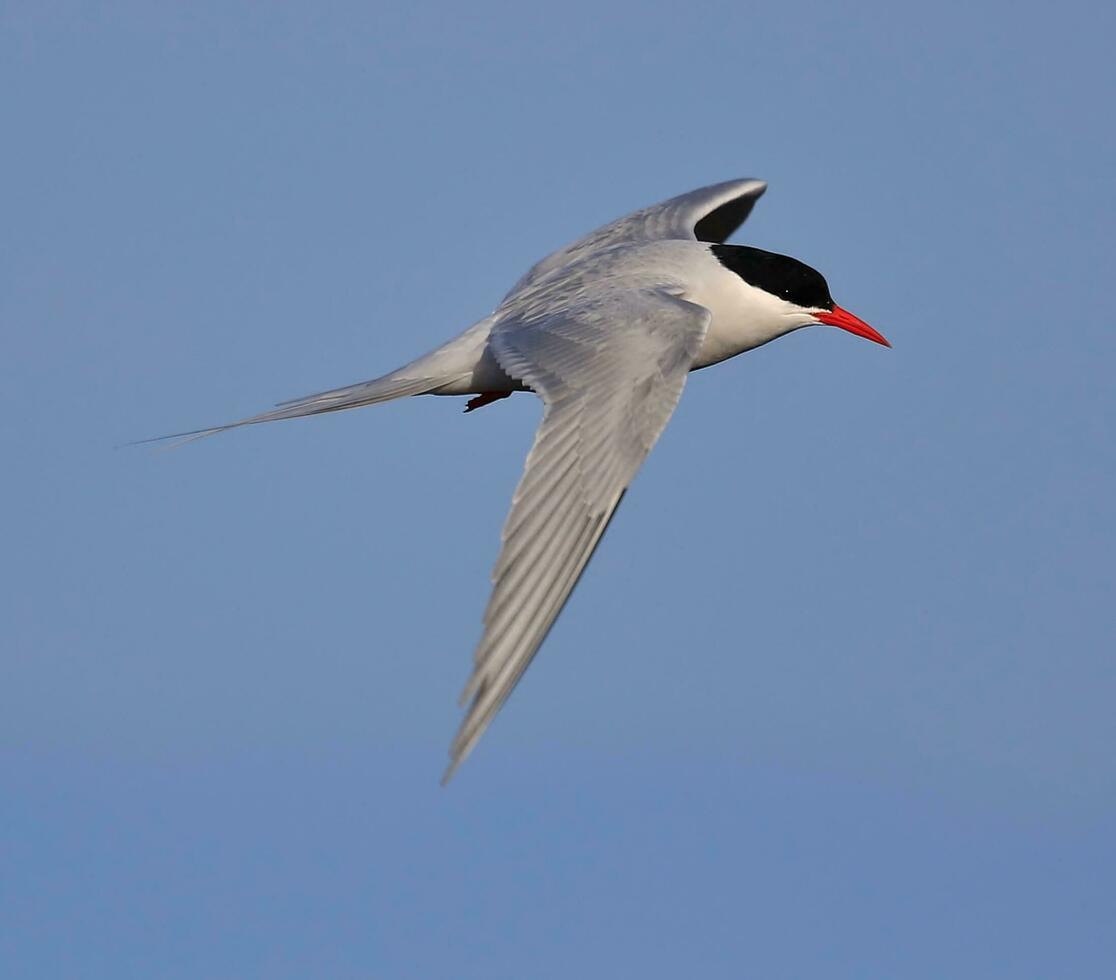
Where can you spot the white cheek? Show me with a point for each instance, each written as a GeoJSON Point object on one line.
{"type": "Point", "coordinates": [743, 317]}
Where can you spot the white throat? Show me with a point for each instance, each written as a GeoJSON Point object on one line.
{"type": "Point", "coordinates": [744, 316]}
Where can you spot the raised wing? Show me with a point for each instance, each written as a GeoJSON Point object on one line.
{"type": "Point", "coordinates": [709, 214]}
{"type": "Point", "coordinates": [610, 373]}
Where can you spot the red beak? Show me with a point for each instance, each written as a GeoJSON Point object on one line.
{"type": "Point", "coordinates": [853, 324]}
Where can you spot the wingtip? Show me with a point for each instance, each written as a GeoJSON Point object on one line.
{"type": "Point", "coordinates": [462, 745]}
{"type": "Point", "coordinates": [448, 774]}
{"type": "Point", "coordinates": [458, 754]}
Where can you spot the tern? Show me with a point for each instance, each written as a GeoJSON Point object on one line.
{"type": "Point", "coordinates": [604, 331]}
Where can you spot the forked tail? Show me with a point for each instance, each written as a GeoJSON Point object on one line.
{"type": "Point", "coordinates": [383, 389]}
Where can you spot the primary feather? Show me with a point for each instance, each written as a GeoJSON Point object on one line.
{"type": "Point", "coordinates": [610, 373]}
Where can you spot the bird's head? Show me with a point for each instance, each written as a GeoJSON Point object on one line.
{"type": "Point", "coordinates": [789, 293]}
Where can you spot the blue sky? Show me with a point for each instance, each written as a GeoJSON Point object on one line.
{"type": "Point", "coordinates": [835, 698]}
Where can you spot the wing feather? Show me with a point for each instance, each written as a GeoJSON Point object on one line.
{"type": "Point", "coordinates": [610, 374]}
{"type": "Point", "coordinates": [708, 214]}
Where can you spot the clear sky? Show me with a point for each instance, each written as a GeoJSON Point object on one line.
{"type": "Point", "coordinates": [835, 699]}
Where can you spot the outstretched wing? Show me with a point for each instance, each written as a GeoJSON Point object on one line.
{"type": "Point", "coordinates": [709, 214]}
{"type": "Point", "coordinates": [610, 373]}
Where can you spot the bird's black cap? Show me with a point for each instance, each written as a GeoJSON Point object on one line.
{"type": "Point", "coordinates": [777, 274]}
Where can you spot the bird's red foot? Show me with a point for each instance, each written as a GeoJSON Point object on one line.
{"type": "Point", "coordinates": [485, 399]}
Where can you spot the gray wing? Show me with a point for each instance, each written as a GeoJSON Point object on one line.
{"type": "Point", "coordinates": [610, 373]}
{"type": "Point", "coordinates": [709, 214]}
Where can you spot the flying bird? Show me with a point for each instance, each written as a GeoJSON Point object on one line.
{"type": "Point", "coordinates": [604, 331]}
